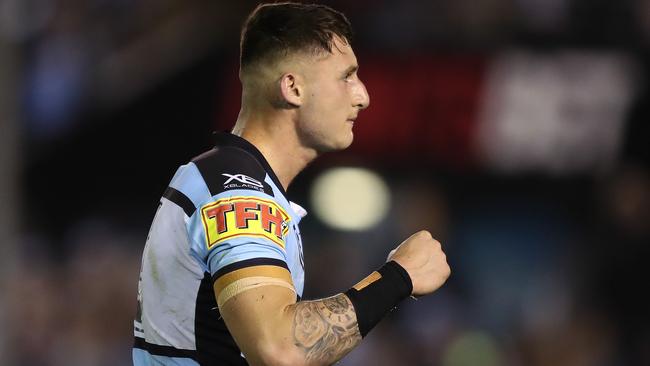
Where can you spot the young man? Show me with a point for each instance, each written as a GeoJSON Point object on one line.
{"type": "Point", "coordinates": [222, 271]}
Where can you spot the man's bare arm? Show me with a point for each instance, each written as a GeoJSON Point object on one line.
{"type": "Point", "coordinates": [271, 328]}
{"type": "Point", "coordinates": [326, 329]}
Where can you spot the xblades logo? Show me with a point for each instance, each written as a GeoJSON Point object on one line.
{"type": "Point", "coordinates": [241, 178]}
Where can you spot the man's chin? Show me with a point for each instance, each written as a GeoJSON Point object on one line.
{"type": "Point", "coordinates": [348, 142]}
{"type": "Point", "coordinates": [341, 144]}
{"type": "Point", "coordinates": [331, 145]}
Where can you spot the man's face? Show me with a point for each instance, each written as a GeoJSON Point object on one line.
{"type": "Point", "coordinates": [333, 97]}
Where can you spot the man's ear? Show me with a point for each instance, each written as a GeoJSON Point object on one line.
{"type": "Point", "coordinates": [291, 90]}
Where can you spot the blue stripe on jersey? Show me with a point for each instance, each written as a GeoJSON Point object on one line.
{"type": "Point", "coordinates": [236, 249]}
{"type": "Point", "coordinates": [189, 181]}
{"type": "Point", "coordinates": [144, 358]}
{"type": "Point", "coordinates": [243, 249]}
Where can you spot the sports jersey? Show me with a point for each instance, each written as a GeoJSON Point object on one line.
{"type": "Point", "coordinates": [223, 213]}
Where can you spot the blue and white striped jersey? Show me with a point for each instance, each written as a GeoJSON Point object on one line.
{"type": "Point", "coordinates": [223, 211]}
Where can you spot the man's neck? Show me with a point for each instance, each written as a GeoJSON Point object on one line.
{"type": "Point", "coordinates": [276, 138]}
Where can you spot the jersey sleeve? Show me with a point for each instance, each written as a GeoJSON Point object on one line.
{"type": "Point", "coordinates": [241, 226]}
{"type": "Point", "coordinates": [240, 232]}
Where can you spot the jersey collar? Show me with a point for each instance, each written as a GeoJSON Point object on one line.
{"type": "Point", "coordinates": [228, 139]}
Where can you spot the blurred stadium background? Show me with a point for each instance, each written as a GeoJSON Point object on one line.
{"type": "Point", "coordinates": [517, 131]}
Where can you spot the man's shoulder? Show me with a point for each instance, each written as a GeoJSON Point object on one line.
{"type": "Point", "coordinates": [225, 168]}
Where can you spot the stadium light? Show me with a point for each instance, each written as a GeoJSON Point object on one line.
{"type": "Point", "coordinates": [350, 199]}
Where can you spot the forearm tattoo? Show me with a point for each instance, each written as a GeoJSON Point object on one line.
{"type": "Point", "coordinates": [326, 329]}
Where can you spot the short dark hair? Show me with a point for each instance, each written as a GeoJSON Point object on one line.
{"type": "Point", "coordinates": [277, 29]}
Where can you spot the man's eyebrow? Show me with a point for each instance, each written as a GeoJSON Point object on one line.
{"type": "Point", "coordinates": [350, 70]}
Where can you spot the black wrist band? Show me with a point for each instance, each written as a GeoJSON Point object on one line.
{"type": "Point", "coordinates": [378, 294]}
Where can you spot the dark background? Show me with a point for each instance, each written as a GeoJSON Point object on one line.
{"type": "Point", "coordinates": [516, 131]}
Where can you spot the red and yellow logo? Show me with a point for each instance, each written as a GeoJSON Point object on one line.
{"type": "Point", "coordinates": [244, 216]}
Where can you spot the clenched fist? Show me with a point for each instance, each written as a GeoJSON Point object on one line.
{"type": "Point", "coordinates": [422, 257]}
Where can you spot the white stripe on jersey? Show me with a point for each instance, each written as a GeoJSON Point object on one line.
{"type": "Point", "coordinates": [170, 279]}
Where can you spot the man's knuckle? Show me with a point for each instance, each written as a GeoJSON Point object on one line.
{"type": "Point", "coordinates": [422, 235]}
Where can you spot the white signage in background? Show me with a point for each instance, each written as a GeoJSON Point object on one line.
{"type": "Point", "coordinates": [560, 112]}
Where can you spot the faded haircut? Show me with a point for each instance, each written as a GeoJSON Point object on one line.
{"type": "Point", "coordinates": [273, 31]}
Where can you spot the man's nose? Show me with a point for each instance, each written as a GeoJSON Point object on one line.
{"type": "Point", "coordinates": [361, 97]}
